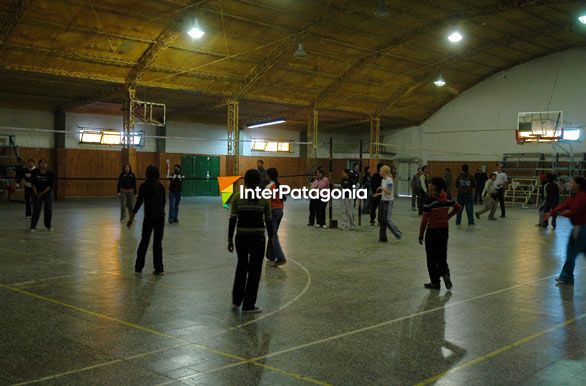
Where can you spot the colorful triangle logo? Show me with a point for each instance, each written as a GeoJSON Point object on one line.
{"type": "Point", "coordinates": [226, 185]}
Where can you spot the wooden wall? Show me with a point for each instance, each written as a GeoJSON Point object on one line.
{"type": "Point", "coordinates": [99, 169]}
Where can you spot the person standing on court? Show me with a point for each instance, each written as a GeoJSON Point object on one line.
{"type": "Point", "coordinates": [435, 228]}
{"type": "Point", "coordinates": [365, 184]}
{"type": "Point", "coordinates": [551, 199]}
{"type": "Point", "coordinates": [573, 208]}
{"type": "Point", "coordinates": [27, 183]}
{"type": "Point", "coordinates": [175, 186]}
{"type": "Point", "coordinates": [42, 185]}
{"type": "Point", "coordinates": [489, 195]}
{"type": "Point", "coordinates": [260, 166]}
{"type": "Point", "coordinates": [152, 193]}
{"type": "Point", "coordinates": [387, 197]}
{"type": "Point", "coordinates": [347, 183]}
{"type": "Point", "coordinates": [500, 185]}
{"type": "Point", "coordinates": [375, 183]}
{"type": "Point", "coordinates": [480, 178]}
{"type": "Point", "coordinates": [424, 183]}
{"type": "Point", "coordinates": [275, 250]}
{"type": "Point", "coordinates": [465, 184]}
{"type": "Point", "coordinates": [126, 190]}
{"type": "Point", "coordinates": [321, 183]}
{"type": "Point", "coordinates": [252, 215]}
{"type": "Point", "coordinates": [449, 179]}
{"type": "Point", "coordinates": [415, 188]}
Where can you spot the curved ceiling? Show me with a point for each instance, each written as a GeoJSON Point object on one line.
{"type": "Point", "coordinates": [79, 55]}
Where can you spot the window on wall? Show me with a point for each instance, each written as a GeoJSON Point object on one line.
{"type": "Point", "coordinates": [110, 137]}
{"type": "Point", "coordinates": [572, 134]}
{"type": "Point", "coordinates": [271, 146]}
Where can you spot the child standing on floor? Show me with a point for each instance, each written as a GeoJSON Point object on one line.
{"type": "Point", "coordinates": [387, 198]}
{"type": "Point", "coordinates": [252, 215]}
{"type": "Point", "coordinates": [152, 193]}
{"type": "Point", "coordinates": [434, 226]}
{"type": "Point", "coordinates": [175, 185]}
{"type": "Point", "coordinates": [126, 191]}
{"type": "Point", "coordinates": [349, 183]}
{"type": "Point", "coordinates": [274, 250]}
{"type": "Point", "coordinates": [43, 183]}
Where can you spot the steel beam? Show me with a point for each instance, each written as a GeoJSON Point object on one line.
{"type": "Point", "coordinates": [8, 24]}
{"type": "Point", "coordinates": [164, 40]}
{"type": "Point", "coordinates": [312, 138]}
{"type": "Point", "coordinates": [374, 138]}
{"type": "Point", "coordinates": [233, 133]}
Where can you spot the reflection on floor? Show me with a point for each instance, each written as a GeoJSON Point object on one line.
{"type": "Point", "coordinates": [345, 310]}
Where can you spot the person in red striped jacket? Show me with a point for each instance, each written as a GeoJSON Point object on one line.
{"type": "Point", "coordinates": [573, 208]}
{"type": "Point", "coordinates": [434, 227]}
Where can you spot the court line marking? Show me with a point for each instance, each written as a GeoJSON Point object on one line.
{"type": "Point", "coordinates": [500, 350]}
{"type": "Point", "coordinates": [378, 325]}
{"type": "Point", "coordinates": [97, 366]}
{"type": "Point", "coordinates": [161, 334]}
{"type": "Point", "coordinates": [281, 308]}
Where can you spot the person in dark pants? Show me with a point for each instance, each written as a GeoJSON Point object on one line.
{"type": "Point", "coordinates": [434, 227]}
{"type": "Point", "coordinates": [500, 185]}
{"type": "Point", "coordinates": [26, 181]}
{"type": "Point", "coordinates": [126, 190]}
{"type": "Point", "coordinates": [175, 185]}
{"type": "Point", "coordinates": [480, 178]}
{"type": "Point", "coordinates": [551, 199]}
{"type": "Point", "coordinates": [152, 193]}
{"type": "Point", "coordinates": [274, 250]}
{"type": "Point", "coordinates": [465, 184]}
{"type": "Point", "coordinates": [365, 184]}
{"type": "Point", "coordinates": [317, 208]}
{"type": "Point", "coordinates": [415, 189]}
{"type": "Point", "coordinates": [375, 183]}
{"type": "Point", "coordinates": [42, 181]}
{"type": "Point", "coordinates": [385, 209]}
{"type": "Point", "coordinates": [252, 215]}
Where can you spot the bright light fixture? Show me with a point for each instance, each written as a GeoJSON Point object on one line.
{"type": "Point", "coordinates": [195, 32]}
{"type": "Point", "coordinates": [300, 52]}
{"type": "Point", "coordinates": [455, 37]}
{"type": "Point", "coordinates": [440, 82]}
{"type": "Point", "coordinates": [582, 19]}
{"type": "Point", "coordinates": [267, 123]}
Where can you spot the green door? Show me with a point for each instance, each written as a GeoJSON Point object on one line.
{"type": "Point", "coordinates": [201, 173]}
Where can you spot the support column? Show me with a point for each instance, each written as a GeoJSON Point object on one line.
{"type": "Point", "coordinates": [60, 166]}
{"type": "Point", "coordinates": [374, 140]}
{"type": "Point", "coordinates": [128, 152]}
{"type": "Point", "coordinates": [161, 143]}
{"type": "Point", "coordinates": [233, 135]}
{"type": "Point", "coordinates": [312, 138]}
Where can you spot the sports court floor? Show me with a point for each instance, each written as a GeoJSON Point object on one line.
{"type": "Point", "coordinates": [345, 310]}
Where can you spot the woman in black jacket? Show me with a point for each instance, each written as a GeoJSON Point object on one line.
{"type": "Point", "coordinates": [126, 190]}
{"type": "Point", "coordinates": [152, 193]}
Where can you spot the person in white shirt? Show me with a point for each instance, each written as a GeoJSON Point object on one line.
{"type": "Point", "coordinates": [488, 194]}
{"type": "Point", "coordinates": [387, 194]}
{"type": "Point", "coordinates": [500, 184]}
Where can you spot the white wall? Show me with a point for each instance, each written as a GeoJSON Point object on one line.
{"type": "Point", "coordinates": [480, 122]}
{"type": "Point", "coordinates": [12, 120]}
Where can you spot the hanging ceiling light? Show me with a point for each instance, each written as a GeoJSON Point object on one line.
{"type": "Point", "coordinates": [300, 52]}
{"type": "Point", "coordinates": [195, 32]}
{"type": "Point", "coordinates": [455, 36]}
{"type": "Point", "coordinates": [582, 19]}
{"type": "Point", "coordinates": [382, 10]}
{"type": "Point", "coordinates": [440, 82]}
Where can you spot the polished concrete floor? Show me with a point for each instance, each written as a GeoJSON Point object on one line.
{"type": "Point", "coordinates": [345, 310]}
